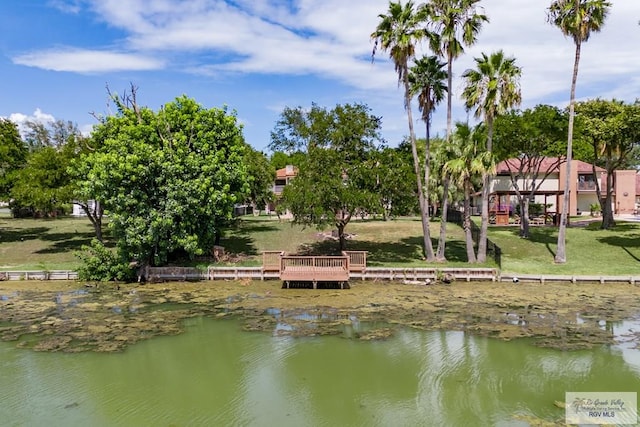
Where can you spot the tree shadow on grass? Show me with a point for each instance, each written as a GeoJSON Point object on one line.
{"type": "Point", "coordinates": [11, 235]}
{"type": "Point", "coordinates": [627, 236]}
{"type": "Point", "coordinates": [405, 251]}
{"type": "Point", "coordinates": [239, 244]}
{"type": "Point", "coordinates": [249, 227]}
{"type": "Point", "coordinates": [65, 242]}
{"type": "Point", "coordinates": [546, 235]}
{"type": "Point", "coordinates": [624, 243]}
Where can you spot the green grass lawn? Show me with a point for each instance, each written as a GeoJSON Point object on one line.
{"type": "Point", "coordinates": [42, 244]}
{"type": "Point", "coordinates": [389, 243]}
{"type": "Point", "coordinates": [49, 244]}
{"type": "Point", "coordinates": [590, 250]}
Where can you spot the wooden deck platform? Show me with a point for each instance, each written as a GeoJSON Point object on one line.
{"type": "Point", "coordinates": [314, 269]}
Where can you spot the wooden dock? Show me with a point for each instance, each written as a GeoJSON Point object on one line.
{"type": "Point", "coordinates": [314, 269]}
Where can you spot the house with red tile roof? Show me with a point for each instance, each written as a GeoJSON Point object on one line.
{"type": "Point", "coordinates": [283, 178]}
{"type": "Point", "coordinates": [547, 176]}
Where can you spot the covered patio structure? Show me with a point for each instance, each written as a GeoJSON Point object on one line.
{"type": "Point", "coordinates": [502, 208]}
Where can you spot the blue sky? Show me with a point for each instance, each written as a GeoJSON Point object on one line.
{"type": "Point", "coordinates": [258, 56]}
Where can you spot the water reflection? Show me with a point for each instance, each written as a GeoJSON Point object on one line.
{"type": "Point", "coordinates": [217, 375]}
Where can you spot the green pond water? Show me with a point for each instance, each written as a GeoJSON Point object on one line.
{"type": "Point", "coordinates": [217, 375]}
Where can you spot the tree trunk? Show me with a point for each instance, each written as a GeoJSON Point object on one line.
{"type": "Point", "coordinates": [608, 220]}
{"type": "Point", "coordinates": [342, 241]}
{"type": "Point", "coordinates": [443, 219]}
{"type": "Point", "coordinates": [427, 172]}
{"type": "Point", "coordinates": [449, 92]}
{"type": "Point", "coordinates": [342, 219]}
{"type": "Point", "coordinates": [466, 223]}
{"type": "Point", "coordinates": [561, 252]}
{"type": "Point", "coordinates": [424, 206]}
{"type": "Point", "coordinates": [525, 217]}
{"type": "Point", "coordinates": [596, 180]}
{"type": "Point", "coordinates": [95, 217]}
{"type": "Point", "coordinates": [484, 226]}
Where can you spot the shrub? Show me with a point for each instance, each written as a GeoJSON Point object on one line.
{"type": "Point", "coordinates": [100, 264]}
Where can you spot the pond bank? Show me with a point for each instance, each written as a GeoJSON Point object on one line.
{"type": "Point", "coordinates": [72, 316]}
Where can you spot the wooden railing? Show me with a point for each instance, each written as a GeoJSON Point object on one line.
{"type": "Point", "coordinates": [314, 269]}
{"type": "Point", "coordinates": [357, 260]}
{"type": "Point", "coordinates": [271, 260]}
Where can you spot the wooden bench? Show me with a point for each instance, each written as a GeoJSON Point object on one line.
{"type": "Point", "coordinates": [314, 269]}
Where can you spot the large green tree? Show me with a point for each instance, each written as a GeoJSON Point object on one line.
{"type": "Point", "coordinates": [337, 178]}
{"type": "Point", "coordinates": [280, 159]}
{"type": "Point", "coordinates": [613, 130]}
{"type": "Point", "coordinates": [261, 176]}
{"type": "Point", "coordinates": [168, 179]}
{"type": "Point", "coordinates": [398, 32]}
{"type": "Point", "coordinates": [13, 156]}
{"type": "Point", "coordinates": [45, 186]}
{"type": "Point", "coordinates": [576, 19]}
{"type": "Point", "coordinates": [491, 89]}
{"type": "Point", "coordinates": [394, 182]}
{"type": "Point", "coordinates": [532, 145]}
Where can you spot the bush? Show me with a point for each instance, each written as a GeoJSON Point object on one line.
{"type": "Point", "coordinates": [100, 264]}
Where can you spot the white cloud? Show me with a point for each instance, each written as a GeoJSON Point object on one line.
{"type": "Point", "coordinates": [330, 39]}
{"type": "Point", "coordinates": [38, 116]}
{"type": "Point", "coordinates": [66, 6]}
{"type": "Point", "coordinates": [87, 61]}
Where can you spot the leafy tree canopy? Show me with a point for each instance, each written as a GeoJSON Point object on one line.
{"type": "Point", "coordinates": [611, 130]}
{"type": "Point", "coordinates": [261, 175]}
{"type": "Point", "coordinates": [280, 159]}
{"type": "Point", "coordinates": [337, 178]}
{"type": "Point", "coordinates": [45, 184]}
{"type": "Point", "coordinates": [537, 132]}
{"type": "Point", "coordinates": [394, 182]}
{"type": "Point", "coordinates": [13, 155]}
{"type": "Point", "coordinates": [168, 179]}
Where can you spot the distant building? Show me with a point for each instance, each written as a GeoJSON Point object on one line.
{"type": "Point", "coordinates": [283, 178]}
{"type": "Point", "coordinates": [78, 211]}
{"type": "Point", "coordinates": [582, 190]}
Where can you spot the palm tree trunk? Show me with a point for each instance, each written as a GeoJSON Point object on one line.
{"type": "Point", "coordinates": [449, 90]}
{"type": "Point", "coordinates": [427, 171]}
{"type": "Point", "coordinates": [424, 207]}
{"type": "Point", "coordinates": [466, 223]}
{"type": "Point", "coordinates": [445, 194]}
{"type": "Point", "coordinates": [484, 226]}
{"type": "Point", "coordinates": [443, 219]}
{"type": "Point", "coordinates": [561, 252]}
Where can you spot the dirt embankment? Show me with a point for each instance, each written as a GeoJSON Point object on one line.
{"type": "Point", "coordinates": [72, 316]}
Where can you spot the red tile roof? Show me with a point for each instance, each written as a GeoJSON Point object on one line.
{"type": "Point", "coordinates": [289, 171]}
{"type": "Point", "coordinates": [547, 164]}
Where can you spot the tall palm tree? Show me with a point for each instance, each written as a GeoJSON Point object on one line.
{"type": "Point", "coordinates": [471, 161]}
{"type": "Point", "coordinates": [491, 89]}
{"type": "Point", "coordinates": [398, 32]}
{"type": "Point", "coordinates": [426, 80]}
{"type": "Point", "coordinates": [576, 19]}
{"type": "Point", "coordinates": [454, 25]}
